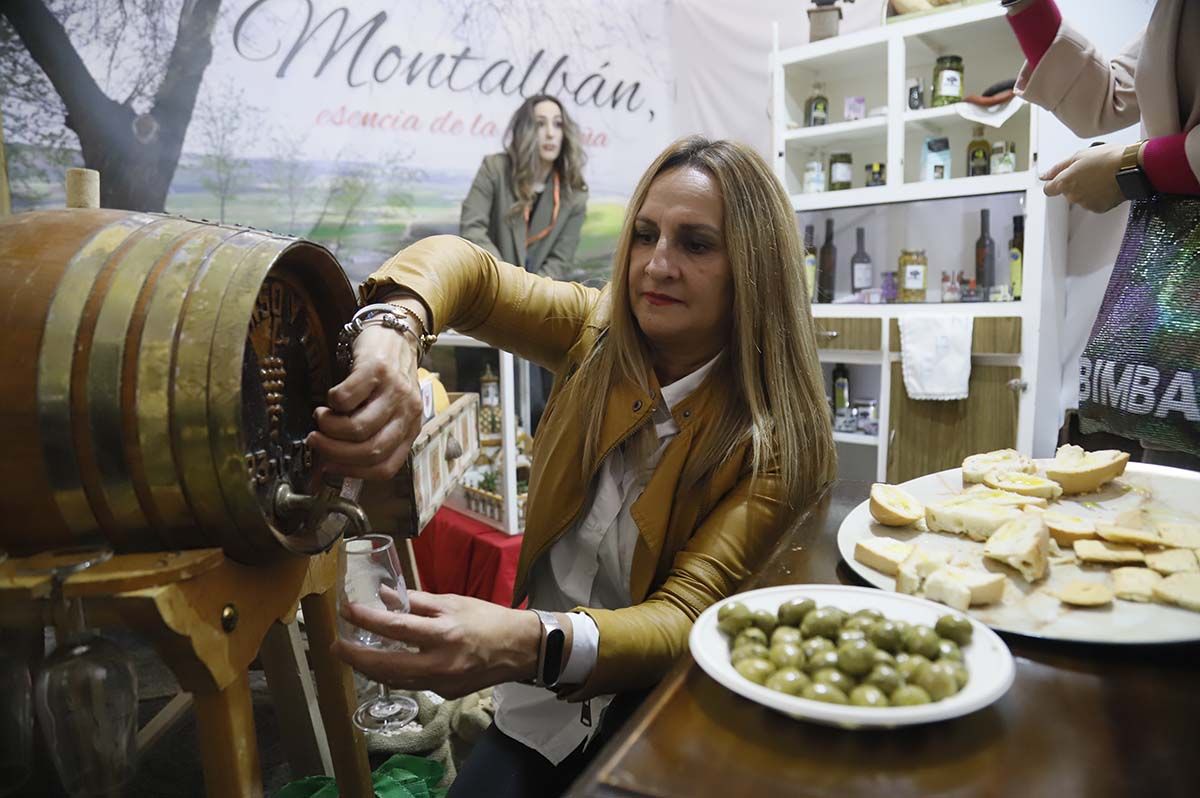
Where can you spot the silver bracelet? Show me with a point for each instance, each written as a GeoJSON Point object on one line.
{"type": "Point", "coordinates": [350, 332]}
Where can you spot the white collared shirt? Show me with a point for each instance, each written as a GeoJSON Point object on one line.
{"type": "Point", "coordinates": [589, 566]}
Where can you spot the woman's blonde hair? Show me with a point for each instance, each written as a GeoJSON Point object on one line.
{"type": "Point", "coordinates": [521, 146]}
{"type": "Point", "coordinates": [772, 394]}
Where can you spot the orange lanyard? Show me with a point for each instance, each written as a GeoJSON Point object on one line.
{"type": "Point", "coordinates": [530, 239]}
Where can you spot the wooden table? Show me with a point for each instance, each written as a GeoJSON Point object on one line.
{"type": "Point", "coordinates": [1080, 720]}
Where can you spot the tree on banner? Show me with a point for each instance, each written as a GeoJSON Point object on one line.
{"type": "Point", "coordinates": [135, 151]}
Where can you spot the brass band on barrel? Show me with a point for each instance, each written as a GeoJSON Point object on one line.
{"type": "Point", "coordinates": [189, 389]}
{"type": "Point", "coordinates": [105, 367]}
{"type": "Point", "coordinates": [151, 454]}
{"type": "Point", "coordinates": [55, 360]}
{"type": "Point", "coordinates": [225, 435]}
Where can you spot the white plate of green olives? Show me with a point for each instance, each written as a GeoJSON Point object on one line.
{"type": "Point", "coordinates": [852, 657]}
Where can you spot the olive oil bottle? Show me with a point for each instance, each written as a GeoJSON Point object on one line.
{"type": "Point", "coordinates": [979, 154]}
{"type": "Point", "coordinates": [810, 263]}
{"type": "Point", "coordinates": [816, 108]}
{"type": "Point", "coordinates": [1016, 256]}
{"type": "Point", "coordinates": [828, 266]}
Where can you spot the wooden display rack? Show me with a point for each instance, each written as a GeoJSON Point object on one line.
{"type": "Point", "coordinates": [208, 616]}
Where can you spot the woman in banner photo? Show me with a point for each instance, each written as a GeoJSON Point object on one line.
{"type": "Point", "coordinates": [687, 426]}
{"type": "Point", "coordinates": [526, 207]}
{"type": "Point", "coordinates": [1156, 80]}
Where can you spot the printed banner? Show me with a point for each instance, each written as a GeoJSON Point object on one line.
{"type": "Point", "coordinates": [359, 125]}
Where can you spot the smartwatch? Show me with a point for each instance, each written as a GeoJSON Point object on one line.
{"type": "Point", "coordinates": [550, 650]}
{"type": "Point", "coordinates": [1131, 179]}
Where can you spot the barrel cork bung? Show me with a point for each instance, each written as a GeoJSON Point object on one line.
{"type": "Point", "coordinates": [83, 188]}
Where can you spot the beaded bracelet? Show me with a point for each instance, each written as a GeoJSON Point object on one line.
{"type": "Point", "coordinates": [351, 330]}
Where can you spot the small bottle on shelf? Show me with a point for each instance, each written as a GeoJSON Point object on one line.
{"type": "Point", "coordinates": [985, 256]}
{"type": "Point", "coordinates": [1016, 257]}
{"type": "Point", "coordinates": [862, 273]}
{"type": "Point", "coordinates": [827, 268]}
{"type": "Point", "coordinates": [810, 263]}
{"type": "Point", "coordinates": [816, 107]}
{"type": "Point", "coordinates": [979, 154]}
{"type": "Point", "coordinates": [843, 420]}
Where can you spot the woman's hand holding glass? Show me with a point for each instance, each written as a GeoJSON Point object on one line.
{"type": "Point", "coordinates": [374, 414]}
{"type": "Point", "coordinates": [457, 644]}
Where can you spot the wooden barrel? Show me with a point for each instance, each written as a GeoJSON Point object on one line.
{"type": "Point", "coordinates": [160, 375]}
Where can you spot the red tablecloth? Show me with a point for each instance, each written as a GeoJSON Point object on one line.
{"type": "Point", "coordinates": [457, 554]}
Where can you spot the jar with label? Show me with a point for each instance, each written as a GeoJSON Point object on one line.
{"type": "Point", "coordinates": [876, 174]}
{"type": "Point", "coordinates": [913, 266]}
{"type": "Point", "coordinates": [1004, 157]}
{"type": "Point", "coordinates": [866, 416]}
{"type": "Point", "coordinates": [814, 177]}
{"type": "Point", "coordinates": [947, 80]}
{"type": "Point", "coordinates": [841, 171]}
{"type": "Point", "coordinates": [889, 287]}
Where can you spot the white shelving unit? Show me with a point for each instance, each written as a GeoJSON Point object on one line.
{"type": "Point", "coordinates": [876, 64]}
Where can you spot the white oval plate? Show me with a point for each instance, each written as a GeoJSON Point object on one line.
{"type": "Point", "coordinates": [1169, 493]}
{"type": "Point", "coordinates": [987, 658]}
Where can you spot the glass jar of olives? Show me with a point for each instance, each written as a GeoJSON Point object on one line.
{"type": "Point", "coordinates": [841, 171]}
{"type": "Point", "coordinates": [947, 80]}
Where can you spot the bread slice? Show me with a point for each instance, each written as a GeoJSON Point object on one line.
{"type": "Point", "coordinates": [1066, 529]}
{"type": "Point", "coordinates": [1025, 484]}
{"type": "Point", "coordinates": [1173, 561]}
{"type": "Point", "coordinates": [1182, 589]}
{"type": "Point", "coordinates": [1085, 594]}
{"type": "Point", "coordinates": [962, 587]}
{"type": "Point", "coordinates": [1023, 544]}
{"type": "Point", "coordinates": [1004, 498]}
{"type": "Point", "coordinates": [919, 564]}
{"type": "Point", "coordinates": [978, 466]}
{"type": "Point", "coordinates": [1078, 471]}
{"type": "Point", "coordinates": [882, 554]}
{"type": "Point", "coordinates": [894, 506]}
{"type": "Point", "coordinates": [1135, 584]}
{"type": "Point", "coordinates": [1178, 535]}
{"type": "Point", "coordinates": [976, 520]}
{"type": "Point", "coordinates": [1129, 535]}
{"type": "Point", "coordinates": [1109, 553]}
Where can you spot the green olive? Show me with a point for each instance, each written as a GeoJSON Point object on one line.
{"type": "Point", "coordinates": [948, 649]}
{"type": "Point", "coordinates": [819, 691]}
{"type": "Point", "coordinates": [822, 622]}
{"type": "Point", "coordinates": [731, 608]}
{"type": "Point", "coordinates": [834, 677]}
{"type": "Point", "coordinates": [735, 620]}
{"type": "Point", "coordinates": [787, 655]}
{"type": "Point", "coordinates": [901, 627]}
{"type": "Point", "coordinates": [884, 658]}
{"type": "Point", "coordinates": [886, 678]}
{"type": "Point", "coordinates": [859, 622]}
{"type": "Point", "coordinates": [909, 665]}
{"type": "Point", "coordinates": [909, 695]}
{"type": "Point", "coordinates": [788, 680]}
{"type": "Point", "coordinates": [885, 635]}
{"type": "Point", "coordinates": [960, 671]}
{"type": "Point", "coordinates": [750, 634]}
{"type": "Point", "coordinates": [846, 635]}
{"type": "Point", "coordinates": [815, 645]}
{"type": "Point", "coordinates": [823, 659]}
{"type": "Point", "coordinates": [921, 640]}
{"type": "Point", "coordinates": [765, 620]}
{"type": "Point", "coordinates": [870, 614]}
{"type": "Point", "coordinates": [856, 657]}
{"type": "Point", "coordinates": [749, 651]}
{"type": "Point", "coordinates": [868, 695]}
{"type": "Point", "coordinates": [954, 627]}
{"type": "Point", "coordinates": [792, 612]}
{"type": "Point", "coordinates": [937, 680]}
{"type": "Point", "coordinates": [786, 634]}
{"type": "Point", "coordinates": [756, 670]}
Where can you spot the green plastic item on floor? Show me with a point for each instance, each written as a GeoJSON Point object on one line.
{"type": "Point", "coordinates": [401, 776]}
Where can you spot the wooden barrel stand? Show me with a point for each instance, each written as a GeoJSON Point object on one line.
{"type": "Point", "coordinates": [208, 616]}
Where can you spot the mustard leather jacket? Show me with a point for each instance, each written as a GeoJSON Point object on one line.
{"type": "Point", "coordinates": [694, 546]}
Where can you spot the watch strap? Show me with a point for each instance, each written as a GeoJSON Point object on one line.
{"type": "Point", "coordinates": [550, 649]}
{"type": "Point", "coordinates": [1132, 180]}
{"type": "Point", "coordinates": [1129, 158]}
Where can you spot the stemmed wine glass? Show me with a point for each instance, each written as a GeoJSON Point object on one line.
{"type": "Point", "coordinates": [370, 576]}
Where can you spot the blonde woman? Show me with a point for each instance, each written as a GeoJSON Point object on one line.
{"type": "Point", "coordinates": [687, 426]}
